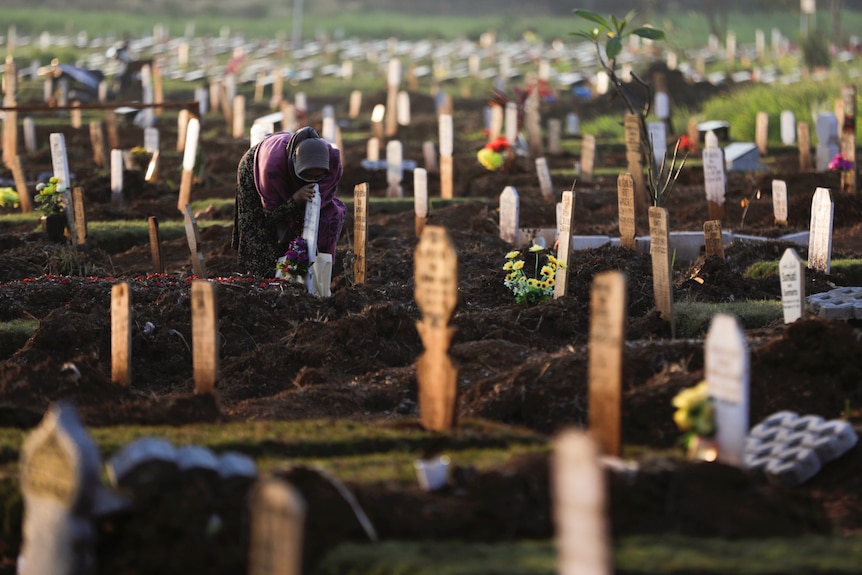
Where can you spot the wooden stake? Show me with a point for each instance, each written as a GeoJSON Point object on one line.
{"type": "Point", "coordinates": [21, 185]}
{"type": "Point", "coordinates": [360, 231]}
{"type": "Point", "coordinates": [205, 336]}
{"type": "Point", "coordinates": [155, 245]}
{"type": "Point", "coordinates": [121, 334]}
{"type": "Point", "coordinates": [80, 215]}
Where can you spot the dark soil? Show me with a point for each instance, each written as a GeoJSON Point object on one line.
{"type": "Point", "coordinates": [286, 355]}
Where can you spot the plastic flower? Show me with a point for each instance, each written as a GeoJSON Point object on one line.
{"type": "Point", "coordinates": [8, 198]}
{"type": "Point", "coordinates": [694, 413]}
{"type": "Point", "coordinates": [840, 164]}
{"type": "Point", "coordinates": [50, 197]}
{"type": "Point", "coordinates": [534, 284]}
{"type": "Point", "coordinates": [295, 261]}
{"type": "Point", "coordinates": [493, 155]}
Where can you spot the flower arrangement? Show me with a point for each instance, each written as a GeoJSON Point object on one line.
{"type": "Point", "coordinates": [493, 155]}
{"type": "Point", "coordinates": [49, 197]}
{"type": "Point", "coordinates": [534, 289]}
{"type": "Point", "coordinates": [295, 262]}
{"type": "Point", "coordinates": [140, 157]}
{"type": "Point", "coordinates": [695, 417]}
{"type": "Point", "coordinates": [8, 198]}
{"type": "Point", "coordinates": [840, 164]}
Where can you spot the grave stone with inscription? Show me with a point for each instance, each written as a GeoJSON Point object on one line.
{"type": "Point", "coordinates": [791, 270]}
{"type": "Point", "coordinates": [820, 230]}
{"type": "Point", "coordinates": [510, 208]}
{"type": "Point", "coordinates": [726, 369]}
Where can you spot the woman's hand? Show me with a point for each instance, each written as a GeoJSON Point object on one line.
{"type": "Point", "coordinates": [304, 194]}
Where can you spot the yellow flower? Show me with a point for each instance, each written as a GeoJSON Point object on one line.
{"type": "Point", "coordinates": [536, 248]}
{"type": "Point", "coordinates": [518, 265]}
{"type": "Point", "coordinates": [512, 255]}
{"type": "Point", "coordinates": [508, 266]}
{"type": "Point", "coordinates": [512, 275]}
{"type": "Point", "coordinates": [551, 282]}
{"type": "Point", "coordinates": [561, 264]}
{"type": "Point", "coordinates": [522, 279]}
{"type": "Point", "coordinates": [547, 271]}
{"type": "Point", "coordinates": [680, 417]}
{"type": "Point", "coordinates": [531, 282]}
{"type": "Point", "coordinates": [552, 260]}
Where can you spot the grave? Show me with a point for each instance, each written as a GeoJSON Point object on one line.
{"type": "Point", "coordinates": [742, 157]}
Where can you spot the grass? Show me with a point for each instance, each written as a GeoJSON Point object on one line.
{"type": "Point", "coordinates": [850, 268]}
{"type": "Point", "coordinates": [692, 319]}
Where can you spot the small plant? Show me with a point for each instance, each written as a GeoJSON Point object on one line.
{"type": "Point", "coordinates": [295, 262]}
{"type": "Point", "coordinates": [695, 415]}
{"type": "Point", "coordinates": [539, 287]}
{"type": "Point", "coordinates": [49, 197]}
{"type": "Point", "coordinates": [659, 183]}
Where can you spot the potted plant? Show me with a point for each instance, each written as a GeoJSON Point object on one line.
{"type": "Point", "coordinates": [50, 203]}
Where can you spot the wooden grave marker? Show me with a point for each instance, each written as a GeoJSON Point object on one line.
{"type": "Point", "coordinates": [205, 336]}
{"type": "Point", "coordinates": [761, 131]}
{"type": "Point", "coordinates": [420, 199]}
{"type": "Point", "coordinates": [446, 161]}
{"type": "Point", "coordinates": [183, 117]}
{"type": "Point", "coordinates": [564, 245]}
{"type": "Point", "coordinates": [111, 129]}
{"type": "Point", "coordinates": [276, 530]}
{"type": "Point", "coordinates": [403, 108]}
{"type": "Point", "coordinates": [155, 245]}
{"type": "Point", "coordinates": [791, 270]}
{"type": "Point", "coordinates": [803, 137]}
{"type": "Point", "coordinates": [555, 130]}
{"type": "Point", "coordinates": [436, 277]}
{"type": "Point", "coordinates": [713, 243]}
{"type": "Point", "coordinates": [393, 83]}
{"type": "Point", "coordinates": [193, 236]}
{"type": "Point", "coordinates": [238, 117]}
{"type": "Point", "coordinates": [848, 138]}
{"type": "Point", "coordinates": [588, 157]}
{"type": "Point", "coordinates": [21, 185]}
{"type": "Point", "coordinates": [579, 495]}
{"type": "Point", "coordinates": [97, 140]}
{"type": "Point", "coordinates": [121, 334]}
{"type": "Point", "coordinates": [662, 272]}
{"type": "Point", "coordinates": [779, 202]}
{"type": "Point", "coordinates": [59, 479]}
{"type": "Point", "coordinates": [355, 104]}
{"type": "Point", "coordinates": [75, 115]}
{"type": "Point", "coordinates": [820, 231]}
{"type": "Point", "coordinates": [607, 340]}
{"type": "Point", "coordinates": [626, 210]}
{"type": "Point", "coordinates": [726, 369]}
{"type": "Point", "coordinates": [429, 156]}
{"type": "Point", "coordinates": [634, 159]}
{"type": "Point", "coordinates": [360, 231]}
{"type": "Point", "coordinates": [80, 215]}
{"type": "Point", "coordinates": [510, 211]}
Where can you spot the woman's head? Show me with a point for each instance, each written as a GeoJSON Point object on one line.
{"type": "Point", "coordinates": [311, 160]}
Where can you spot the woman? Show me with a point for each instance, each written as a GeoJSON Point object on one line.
{"type": "Point", "coordinates": [275, 179]}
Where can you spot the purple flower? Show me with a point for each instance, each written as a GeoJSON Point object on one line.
{"type": "Point", "coordinates": [840, 163]}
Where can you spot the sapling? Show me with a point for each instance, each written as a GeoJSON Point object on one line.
{"type": "Point", "coordinates": [659, 183]}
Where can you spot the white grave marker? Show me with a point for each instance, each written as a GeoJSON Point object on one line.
{"type": "Point", "coordinates": [726, 368]}
{"type": "Point", "coordinates": [117, 176]}
{"type": "Point", "coordinates": [544, 173]}
{"type": "Point", "coordinates": [588, 157]}
{"type": "Point", "coordinates": [791, 270]}
{"type": "Point", "coordinates": [564, 247]}
{"type": "Point", "coordinates": [420, 198]}
{"type": "Point", "coordinates": [394, 169]}
{"type": "Point", "coordinates": [510, 211]}
{"type": "Point", "coordinates": [820, 230]}
{"type": "Point", "coordinates": [277, 523]}
{"type": "Point", "coordinates": [779, 202]}
{"type": "Point", "coordinates": [788, 128]}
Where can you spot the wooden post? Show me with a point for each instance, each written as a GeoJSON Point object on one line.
{"type": "Point", "coordinates": [155, 245]}
{"type": "Point", "coordinates": [121, 334]}
{"type": "Point", "coordinates": [80, 215]}
{"type": "Point", "coordinates": [564, 245]}
{"type": "Point", "coordinates": [21, 185]}
{"type": "Point", "coordinates": [205, 336]}
{"type": "Point", "coordinates": [194, 239]}
{"type": "Point", "coordinates": [189, 156]}
{"type": "Point", "coordinates": [446, 149]}
{"type": "Point", "coordinates": [661, 268]}
{"type": "Point", "coordinates": [360, 231]}
{"type": "Point", "coordinates": [848, 138]}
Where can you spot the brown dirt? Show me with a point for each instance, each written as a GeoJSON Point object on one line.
{"type": "Point", "coordinates": [288, 355]}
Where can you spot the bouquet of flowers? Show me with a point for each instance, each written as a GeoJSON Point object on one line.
{"type": "Point", "coordinates": [295, 261]}
{"type": "Point", "coordinates": [49, 198]}
{"type": "Point", "coordinates": [840, 164]}
{"type": "Point", "coordinates": [534, 289]}
{"type": "Point", "coordinates": [695, 417]}
{"type": "Point", "coordinates": [493, 155]}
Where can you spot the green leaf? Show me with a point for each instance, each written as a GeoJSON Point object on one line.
{"type": "Point", "coordinates": [585, 35]}
{"type": "Point", "coordinates": [649, 33]}
{"type": "Point", "coordinates": [592, 17]}
{"type": "Point", "coordinates": [614, 47]}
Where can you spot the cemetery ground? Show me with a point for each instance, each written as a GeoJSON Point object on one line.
{"type": "Point", "coordinates": [308, 381]}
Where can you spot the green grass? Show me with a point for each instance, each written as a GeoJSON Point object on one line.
{"type": "Point", "coordinates": [692, 319]}
{"type": "Point", "coordinates": [850, 268]}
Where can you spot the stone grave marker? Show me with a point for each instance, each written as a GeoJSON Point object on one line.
{"type": "Point", "coordinates": [712, 240]}
{"type": "Point", "coordinates": [788, 128]}
{"type": "Point", "coordinates": [510, 122]}
{"type": "Point", "coordinates": [446, 148]}
{"type": "Point", "coordinates": [328, 129]}
{"type": "Point", "coordinates": [658, 138]}
{"type": "Point", "coordinates": [573, 124]}
{"type": "Point", "coordinates": [143, 465]}
{"type": "Point", "coordinates": [564, 246]}
{"type": "Point", "coordinates": [403, 108]}
{"type": "Point", "coordinates": [60, 164]}
{"type": "Point", "coordinates": [803, 136]}
{"type": "Point", "coordinates": [588, 157]}
{"type": "Point", "coordinates": [791, 270]}
{"type": "Point", "coordinates": [726, 368]}
{"type": "Point", "coordinates": [820, 231]}
{"type": "Point", "coordinates": [394, 169]}
{"type": "Point", "coordinates": [436, 277]}
{"type": "Point", "coordinates": [377, 116]}
{"type": "Point", "coordinates": [827, 139]}
{"type": "Point", "coordinates": [59, 479]}
{"type": "Point", "coordinates": [29, 134]}
{"type": "Point", "coordinates": [742, 157]}
{"type": "Point", "coordinates": [155, 245]}
{"type": "Point", "coordinates": [360, 231]}
{"type": "Point", "coordinates": [121, 334]}
{"type": "Point", "coordinates": [662, 272]}
{"type": "Point", "coordinates": [151, 140]}
{"type": "Point", "coordinates": [579, 496]}
{"type": "Point", "coordinates": [193, 237]}
{"type": "Point", "coordinates": [626, 209]}
{"type": "Point", "coordinates": [510, 212]}
{"type": "Point", "coordinates": [761, 131]}
{"type": "Point", "coordinates": [193, 130]}
{"type": "Point", "coordinates": [117, 167]}
{"type": "Point", "coordinates": [420, 198]}
{"type": "Point", "coordinates": [393, 82]}
{"type": "Point", "coordinates": [714, 180]}
{"type": "Point", "coordinates": [205, 336]}
{"type": "Point", "coordinates": [607, 340]}
{"type": "Point", "coordinates": [545, 183]}
{"type": "Point", "coordinates": [277, 524]}
{"type": "Point", "coordinates": [779, 202]}
{"type": "Point", "coordinates": [554, 135]}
